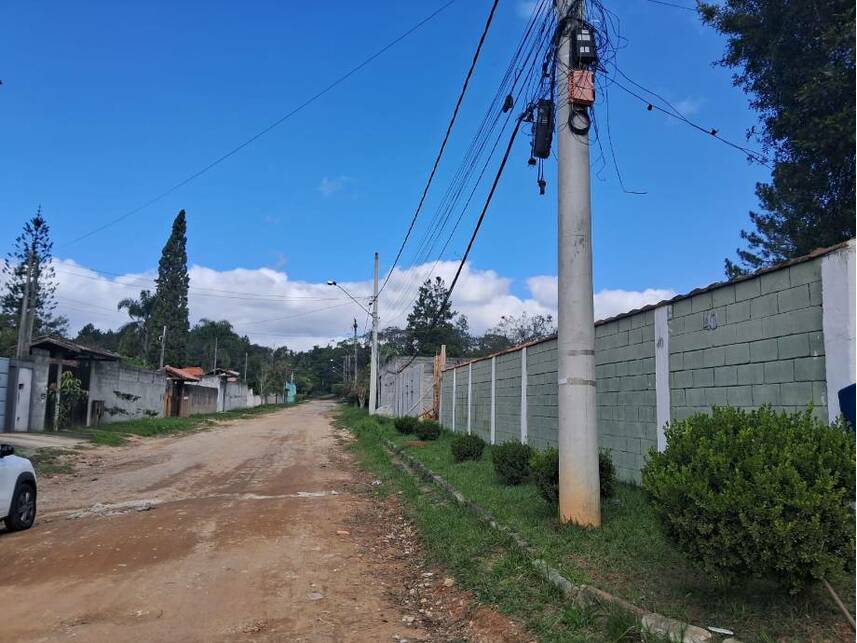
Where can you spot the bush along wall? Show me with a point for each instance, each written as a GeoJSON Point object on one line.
{"type": "Point", "coordinates": [512, 462]}
{"type": "Point", "coordinates": [544, 466]}
{"type": "Point", "coordinates": [757, 494]}
{"type": "Point", "coordinates": [467, 447]}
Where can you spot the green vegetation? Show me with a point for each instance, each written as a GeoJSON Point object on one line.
{"type": "Point", "coordinates": [117, 433]}
{"type": "Point", "coordinates": [49, 461]}
{"type": "Point", "coordinates": [757, 493]}
{"type": "Point", "coordinates": [480, 559]}
{"type": "Point", "coordinates": [428, 430]}
{"type": "Point", "coordinates": [170, 308]}
{"type": "Point", "coordinates": [545, 468]}
{"type": "Point", "coordinates": [405, 424]}
{"type": "Point", "coordinates": [629, 555]}
{"type": "Point", "coordinates": [466, 447]}
{"type": "Point", "coordinates": [512, 462]}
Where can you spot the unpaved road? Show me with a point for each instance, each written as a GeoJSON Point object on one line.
{"type": "Point", "coordinates": [257, 530]}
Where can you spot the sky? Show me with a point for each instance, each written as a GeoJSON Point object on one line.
{"type": "Point", "coordinates": [105, 105]}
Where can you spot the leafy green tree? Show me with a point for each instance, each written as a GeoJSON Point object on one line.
{"type": "Point", "coordinates": [171, 298]}
{"type": "Point", "coordinates": [433, 323]}
{"type": "Point", "coordinates": [795, 58]}
{"type": "Point", "coordinates": [33, 248]}
{"type": "Point", "coordinates": [522, 329]}
{"type": "Point", "coordinates": [140, 311]}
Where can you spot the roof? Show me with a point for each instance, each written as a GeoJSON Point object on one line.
{"type": "Point", "coordinates": [75, 350]}
{"type": "Point", "coordinates": [815, 254]}
{"type": "Point", "coordinates": [194, 371]}
{"type": "Point", "coordinates": [184, 374]}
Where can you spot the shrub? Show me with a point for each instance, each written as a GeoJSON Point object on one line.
{"type": "Point", "coordinates": [544, 466]}
{"type": "Point", "coordinates": [545, 471]}
{"type": "Point", "coordinates": [512, 462]}
{"type": "Point", "coordinates": [428, 430]}
{"type": "Point", "coordinates": [757, 494]}
{"type": "Point", "coordinates": [405, 424]}
{"type": "Point", "coordinates": [606, 474]}
{"type": "Point", "coordinates": [467, 447]}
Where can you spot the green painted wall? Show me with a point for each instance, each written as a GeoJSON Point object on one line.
{"type": "Point", "coordinates": [751, 343]}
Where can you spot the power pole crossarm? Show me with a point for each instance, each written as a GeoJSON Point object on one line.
{"type": "Point", "coordinates": [579, 487]}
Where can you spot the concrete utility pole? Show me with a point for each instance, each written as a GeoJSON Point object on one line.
{"type": "Point", "coordinates": [23, 324]}
{"type": "Point", "coordinates": [579, 488]}
{"type": "Point", "coordinates": [163, 344]}
{"type": "Point", "coordinates": [245, 367]}
{"type": "Point", "coordinates": [355, 352]}
{"type": "Point", "coordinates": [214, 368]}
{"type": "Point", "coordinates": [373, 365]}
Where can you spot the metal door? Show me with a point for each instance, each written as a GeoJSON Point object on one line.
{"type": "Point", "coordinates": [22, 401]}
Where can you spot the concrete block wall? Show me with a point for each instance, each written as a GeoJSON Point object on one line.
{"type": "Point", "coordinates": [127, 392]}
{"type": "Point", "coordinates": [756, 342]}
{"type": "Point", "coordinates": [782, 337]}
{"type": "Point", "coordinates": [480, 403]}
{"type": "Point", "coordinates": [625, 391]}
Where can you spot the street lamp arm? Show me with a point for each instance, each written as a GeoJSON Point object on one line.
{"type": "Point", "coordinates": [333, 283]}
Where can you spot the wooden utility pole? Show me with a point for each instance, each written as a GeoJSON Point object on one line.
{"type": "Point", "coordinates": [373, 364]}
{"type": "Point", "coordinates": [24, 322]}
{"type": "Point", "coordinates": [355, 353]}
{"type": "Point", "coordinates": [163, 344]}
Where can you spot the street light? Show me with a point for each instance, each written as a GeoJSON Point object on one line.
{"type": "Point", "coordinates": [331, 282]}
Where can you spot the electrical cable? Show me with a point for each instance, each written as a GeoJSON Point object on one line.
{"type": "Point", "coordinates": [446, 136]}
{"type": "Point", "coordinates": [265, 130]}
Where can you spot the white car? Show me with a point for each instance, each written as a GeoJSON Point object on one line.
{"type": "Point", "coordinates": [17, 490]}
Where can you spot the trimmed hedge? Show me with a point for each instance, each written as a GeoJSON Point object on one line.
{"type": "Point", "coordinates": [467, 447]}
{"type": "Point", "coordinates": [512, 462]}
{"type": "Point", "coordinates": [545, 471]}
{"type": "Point", "coordinates": [405, 424]}
{"type": "Point", "coordinates": [428, 430]}
{"type": "Point", "coordinates": [757, 494]}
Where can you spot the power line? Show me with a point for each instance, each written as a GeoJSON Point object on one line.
{"type": "Point", "coordinates": [672, 4]}
{"type": "Point", "coordinates": [444, 142]}
{"type": "Point", "coordinates": [474, 233]}
{"type": "Point", "coordinates": [265, 130]}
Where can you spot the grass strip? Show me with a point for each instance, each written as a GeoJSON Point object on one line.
{"type": "Point", "coordinates": [480, 559]}
{"type": "Point", "coordinates": [630, 557]}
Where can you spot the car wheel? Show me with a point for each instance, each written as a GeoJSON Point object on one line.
{"type": "Point", "coordinates": [22, 513]}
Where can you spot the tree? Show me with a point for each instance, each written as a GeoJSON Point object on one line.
{"type": "Point", "coordinates": [140, 311]}
{"type": "Point", "coordinates": [32, 252]}
{"type": "Point", "coordinates": [171, 305]}
{"type": "Point", "coordinates": [522, 329]}
{"type": "Point", "coordinates": [796, 60]}
{"type": "Point", "coordinates": [432, 322]}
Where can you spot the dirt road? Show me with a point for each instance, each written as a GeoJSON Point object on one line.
{"type": "Point", "coordinates": [258, 530]}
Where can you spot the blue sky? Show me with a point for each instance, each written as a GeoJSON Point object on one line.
{"type": "Point", "coordinates": [104, 105]}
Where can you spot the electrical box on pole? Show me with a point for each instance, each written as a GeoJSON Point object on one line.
{"type": "Point", "coordinates": [543, 129]}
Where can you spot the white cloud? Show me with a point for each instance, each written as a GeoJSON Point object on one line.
{"type": "Point", "coordinates": [329, 186]}
{"type": "Point", "coordinates": [689, 106]}
{"type": "Point", "coordinates": [274, 310]}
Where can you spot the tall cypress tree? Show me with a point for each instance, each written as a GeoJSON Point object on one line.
{"type": "Point", "coordinates": [171, 307]}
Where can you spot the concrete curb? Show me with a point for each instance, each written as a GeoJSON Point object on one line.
{"type": "Point", "coordinates": [585, 595]}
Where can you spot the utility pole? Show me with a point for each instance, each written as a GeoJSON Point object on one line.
{"type": "Point", "coordinates": [23, 324]}
{"type": "Point", "coordinates": [245, 367]}
{"type": "Point", "coordinates": [214, 368]}
{"type": "Point", "coordinates": [373, 364]}
{"type": "Point", "coordinates": [163, 344]}
{"type": "Point", "coordinates": [579, 488]}
{"type": "Point", "coordinates": [355, 352]}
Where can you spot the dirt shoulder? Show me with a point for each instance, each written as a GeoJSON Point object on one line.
{"type": "Point", "coordinates": [259, 530]}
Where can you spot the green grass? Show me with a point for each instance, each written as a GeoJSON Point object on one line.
{"type": "Point", "coordinates": [630, 557]}
{"type": "Point", "coordinates": [49, 461]}
{"type": "Point", "coordinates": [479, 558]}
{"type": "Point", "coordinates": [117, 433]}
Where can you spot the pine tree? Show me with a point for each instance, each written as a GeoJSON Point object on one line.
{"type": "Point", "coordinates": [33, 242]}
{"type": "Point", "coordinates": [795, 58]}
{"type": "Point", "coordinates": [430, 323]}
{"type": "Point", "coordinates": [171, 305]}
